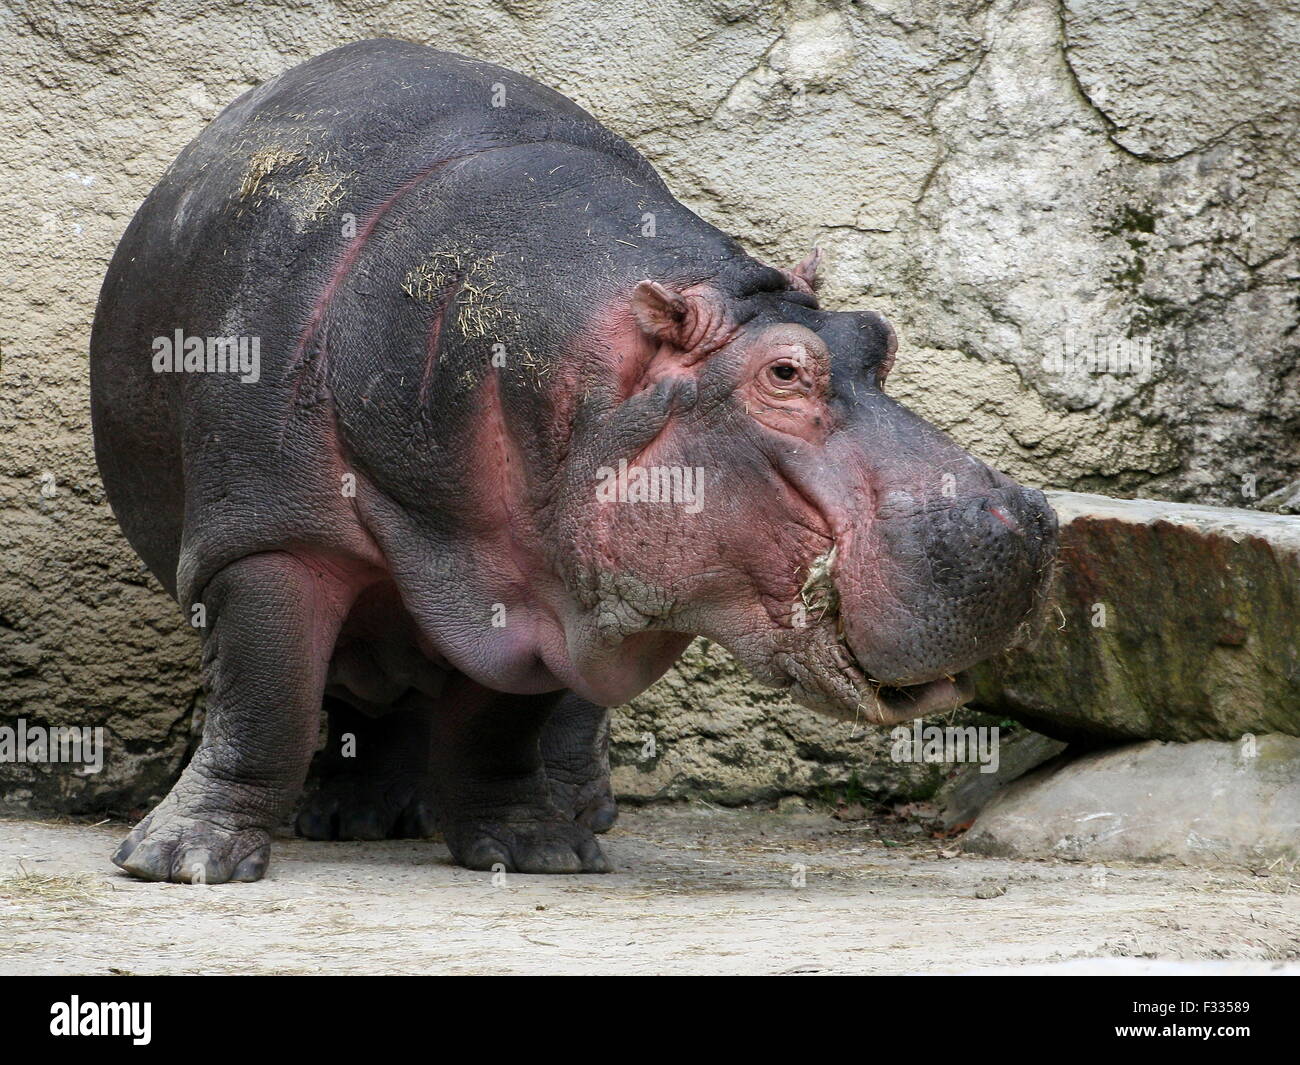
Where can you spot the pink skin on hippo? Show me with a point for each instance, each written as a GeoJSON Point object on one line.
{"type": "Point", "coordinates": [928, 559]}
{"type": "Point", "coordinates": [406, 522]}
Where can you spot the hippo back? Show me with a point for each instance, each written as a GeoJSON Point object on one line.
{"type": "Point", "coordinates": [374, 226]}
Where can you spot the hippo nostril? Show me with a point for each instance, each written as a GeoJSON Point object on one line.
{"type": "Point", "coordinates": [1008, 522]}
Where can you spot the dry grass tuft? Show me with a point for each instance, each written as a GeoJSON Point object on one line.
{"type": "Point", "coordinates": [49, 888]}
{"type": "Point", "coordinates": [261, 165]}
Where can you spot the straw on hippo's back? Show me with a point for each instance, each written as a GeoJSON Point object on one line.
{"type": "Point", "coordinates": [464, 324]}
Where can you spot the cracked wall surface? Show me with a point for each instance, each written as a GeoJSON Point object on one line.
{"type": "Point", "coordinates": [1014, 183]}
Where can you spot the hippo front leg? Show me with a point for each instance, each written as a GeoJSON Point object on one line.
{"type": "Point", "coordinates": [495, 807]}
{"type": "Point", "coordinates": [271, 620]}
{"type": "Point", "coordinates": [575, 747]}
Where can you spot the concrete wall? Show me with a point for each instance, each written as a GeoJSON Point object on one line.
{"type": "Point", "coordinates": [1011, 182]}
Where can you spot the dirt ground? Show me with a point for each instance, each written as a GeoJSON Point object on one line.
{"type": "Point", "coordinates": [698, 890]}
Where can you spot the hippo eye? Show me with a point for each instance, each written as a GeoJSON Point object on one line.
{"type": "Point", "coordinates": [788, 373]}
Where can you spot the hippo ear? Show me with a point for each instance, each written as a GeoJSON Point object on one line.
{"type": "Point", "coordinates": [803, 277]}
{"type": "Point", "coordinates": [661, 313]}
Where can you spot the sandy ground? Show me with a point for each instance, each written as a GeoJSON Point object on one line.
{"type": "Point", "coordinates": [699, 890]}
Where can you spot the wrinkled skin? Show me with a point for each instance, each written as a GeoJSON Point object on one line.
{"type": "Point", "coordinates": [405, 520]}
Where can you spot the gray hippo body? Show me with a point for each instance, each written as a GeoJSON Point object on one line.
{"type": "Point", "coordinates": [423, 396]}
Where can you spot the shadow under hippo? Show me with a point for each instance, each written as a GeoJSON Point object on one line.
{"type": "Point", "coordinates": [435, 410]}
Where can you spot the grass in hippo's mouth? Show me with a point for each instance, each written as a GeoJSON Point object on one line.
{"type": "Point", "coordinates": [821, 602]}
{"type": "Point", "coordinates": [819, 595]}
{"type": "Point", "coordinates": [899, 695]}
{"type": "Point", "coordinates": [896, 696]}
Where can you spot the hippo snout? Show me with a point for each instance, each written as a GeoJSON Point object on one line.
{"type": "Point", "coordinates": [933, 586]}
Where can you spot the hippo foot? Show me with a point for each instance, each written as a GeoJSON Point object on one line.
{"type": "Point", "coordinates": [189, 850]}
{"type": "Point", "coordinates": [356, 807]}
{"type": "Point", "coordinates": [590, 801]}
{"type": "Point", "coordinates": [525, 846]}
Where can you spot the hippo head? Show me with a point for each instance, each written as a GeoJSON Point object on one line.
{"type": "Point", "coordinates": [743, 475]}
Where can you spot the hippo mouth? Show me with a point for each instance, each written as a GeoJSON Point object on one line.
{"type": "Point", "coordinates": [930, 697]}
{"type": "Point", "coordinates": [835, 683]}
{"type": "Point", "coordinates": [902, 702]}
{"type": "Point", "coordinates": [842, 686]}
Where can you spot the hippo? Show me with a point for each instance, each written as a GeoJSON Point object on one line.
{"type": "Point", "coordinates": [448, 428]}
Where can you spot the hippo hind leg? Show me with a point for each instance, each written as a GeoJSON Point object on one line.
{"type": "Point", "coordinates": [373, 778]}
{"type": "Point", "coordinates": [495, 806]}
